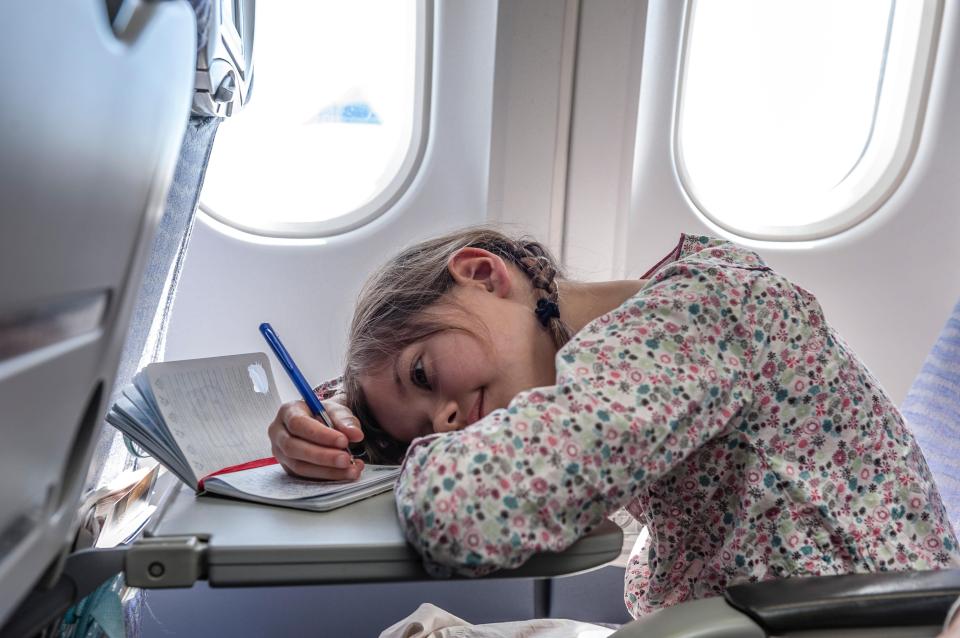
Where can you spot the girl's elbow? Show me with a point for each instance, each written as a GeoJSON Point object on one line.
{"type": "Point", "coordinates": [446, 541]}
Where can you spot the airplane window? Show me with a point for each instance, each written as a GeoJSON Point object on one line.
{"type": "Point", "coordinates": [333, 130]}
{"type": "Point", "coordinates": [797, 119]}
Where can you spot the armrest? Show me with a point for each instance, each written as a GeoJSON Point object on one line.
{"type": "Point", "coordinates": [891, 599]}
{"type": "Point", "coordinates": [778, 607]}
{"type": "Point", "coordinates": [704, 618]}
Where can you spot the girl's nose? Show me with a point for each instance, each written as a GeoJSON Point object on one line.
{"type": "Point", "coordinates": [446, 419]}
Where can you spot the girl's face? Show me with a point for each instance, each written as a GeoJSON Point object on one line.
{"type": "Point", "coordinates": [453, 378]}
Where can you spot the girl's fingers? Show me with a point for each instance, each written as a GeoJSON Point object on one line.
{"type": "Point", "coordinates": [344, 421]}
{"type": "Point", "coordinates": [306, 447]}
{"type": "Point", "coordinates": [296, 449]}
{"type": "Point", "coordinates": [300, 423]}
{"type": "Point", "coordinates": [310, 471]}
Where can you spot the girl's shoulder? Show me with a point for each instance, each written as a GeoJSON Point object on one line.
{"type": "Point", "coordinates": [707, 251]}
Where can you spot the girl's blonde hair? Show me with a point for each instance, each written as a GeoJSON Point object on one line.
{"type": "Point", "coordinates": [390, 312]}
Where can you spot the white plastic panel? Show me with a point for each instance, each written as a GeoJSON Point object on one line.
{"type": "Point", "coordinates": [533, 89]}
{"type": "Point", "coordinates": [608, 76]}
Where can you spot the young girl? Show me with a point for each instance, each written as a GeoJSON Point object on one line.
{"type": "Point", "coordinates": [711, 399]}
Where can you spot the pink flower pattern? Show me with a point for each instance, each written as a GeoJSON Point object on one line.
{"type": "Point", "coordinates": [720, 408]}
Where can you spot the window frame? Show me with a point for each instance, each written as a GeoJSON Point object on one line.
{"type": "Point", "coordinates": [404, 176]}
{"type": "Point", "coordinates": [878, 172]}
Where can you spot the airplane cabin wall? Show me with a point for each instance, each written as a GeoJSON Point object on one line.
{"type": "Point", "coordinates": [558, 119]}
{"type": "Point", "coordinates": [232, 281]}
{"type": "Point", "coordinates": [887, 284]}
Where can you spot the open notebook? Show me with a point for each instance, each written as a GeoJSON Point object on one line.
{"type": "Point", "coordinates": [206, 421]}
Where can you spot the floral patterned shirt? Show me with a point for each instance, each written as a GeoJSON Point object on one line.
{"type": "Point", "coordinates": [724, 413]}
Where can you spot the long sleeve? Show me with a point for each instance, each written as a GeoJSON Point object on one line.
{"type": "Point", "coordinates": [329, 388]}
{"type": "Point", "coordinates": [638, 390]}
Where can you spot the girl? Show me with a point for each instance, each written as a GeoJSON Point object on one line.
{"type": "Point", "coordinates": [711, 399]}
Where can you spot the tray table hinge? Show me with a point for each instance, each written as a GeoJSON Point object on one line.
{"type": "Point", "coordinates": [166, 561]}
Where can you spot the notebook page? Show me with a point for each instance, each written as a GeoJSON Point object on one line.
{"type": "Point", "coordinates": [140, 394]}
{"type": "Point", "coordinates": [272, 482]}
{"type": "Point", "coordinates": [216, 409]}
{"type": "Point", "coordinates": [128, 419]}
{"type": "Point", "coordinates": [134, 412]}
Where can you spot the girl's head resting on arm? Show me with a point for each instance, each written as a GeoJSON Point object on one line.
{"type": "Point", "coordinates": [447, 331]}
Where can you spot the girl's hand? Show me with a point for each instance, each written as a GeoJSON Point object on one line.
{"type": "Point", "coordinates": [306, 447]}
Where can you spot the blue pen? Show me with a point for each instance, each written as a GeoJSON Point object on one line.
{"type": "Point", "coordinates": [294, 372]}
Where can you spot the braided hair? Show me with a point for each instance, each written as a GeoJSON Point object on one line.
{"type": "Point", "coordinates": [390, 315]}
{"type": "Point", "coordinates": [535, 261]}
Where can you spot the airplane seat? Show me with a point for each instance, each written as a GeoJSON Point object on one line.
{"type": "Point", "coordinates": [94, 99]}
{"type": "Point", "coordinates": [932, 410]}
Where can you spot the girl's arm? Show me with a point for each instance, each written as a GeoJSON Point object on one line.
{"type": "Point", "coordinates": [638, 390]}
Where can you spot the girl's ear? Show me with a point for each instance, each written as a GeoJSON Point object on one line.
{"type": "Point", "coordinates": [478, 267]}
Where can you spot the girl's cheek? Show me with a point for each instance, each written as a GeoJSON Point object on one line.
{"type": "Point", "coordinates": [453, 372]}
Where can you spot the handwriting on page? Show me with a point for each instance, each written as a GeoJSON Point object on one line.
{"type": "Point", "coordinates": [216, 412]}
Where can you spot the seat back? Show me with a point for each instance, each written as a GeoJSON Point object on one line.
{"type": "Point", "coordinates": [92, 113]}
{"type": "Point", "coordinates": [932, 409]}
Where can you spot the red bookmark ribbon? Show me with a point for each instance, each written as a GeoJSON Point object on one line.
{"type": "Point", "coordinates": [249, 465]}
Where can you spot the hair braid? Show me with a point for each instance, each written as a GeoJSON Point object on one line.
{"type": "Point", "coordinates": [539, 267]}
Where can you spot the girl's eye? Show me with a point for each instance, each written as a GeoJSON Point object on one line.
{"type": "Point", "coordinates": [418, 374]}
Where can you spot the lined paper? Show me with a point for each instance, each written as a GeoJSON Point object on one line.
{"type": "Point", "coordinates": [213, 409]}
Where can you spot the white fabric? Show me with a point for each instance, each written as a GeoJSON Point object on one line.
{"type": "Point", "coordinates": [951, 615]}
{"type": "Point", "coordinates": [429, 621]}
